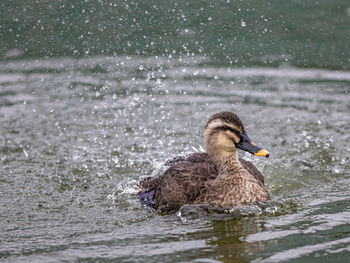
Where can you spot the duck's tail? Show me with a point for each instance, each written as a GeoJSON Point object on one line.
{"type": "Point", "coordinates": [147, 198]}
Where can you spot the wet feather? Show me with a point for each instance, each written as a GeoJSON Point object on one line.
{"type": "Point", "coordinates": [217, 177]}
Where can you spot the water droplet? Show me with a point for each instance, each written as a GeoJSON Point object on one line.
{"type": "Point", "coordinates": [243, 24]}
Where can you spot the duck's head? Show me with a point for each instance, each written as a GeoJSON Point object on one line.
{"type": "Point", "coordinates": [225, 133]}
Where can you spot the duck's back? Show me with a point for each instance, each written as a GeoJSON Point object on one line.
{"type": "Point", "coordinates": [204, 158]}
{"type": "Point", "coordinates": [180, 184]}
{"type": "Point", "coordinates": [184, 181]}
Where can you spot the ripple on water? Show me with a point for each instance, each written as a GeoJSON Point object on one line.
{"type": "Point", "coordinates": [209, 212]}
{"type": "Point", "coordinates": [77, 133]}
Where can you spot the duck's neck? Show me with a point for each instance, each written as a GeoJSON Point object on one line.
{"type": "Point", "coordinates": [228, 164]}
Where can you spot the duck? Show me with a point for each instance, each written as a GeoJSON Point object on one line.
{"type": "Point", "coordinates": [217, 177]}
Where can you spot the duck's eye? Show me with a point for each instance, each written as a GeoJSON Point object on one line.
{"type": "Point", "coordinates": [226, 127]}
{"type": "Point", "coordinates": [244, 139]}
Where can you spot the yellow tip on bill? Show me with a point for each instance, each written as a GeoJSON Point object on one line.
{"type": "Point", "coordinates": [262, 152]}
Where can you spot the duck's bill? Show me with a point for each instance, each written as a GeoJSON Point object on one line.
{"type": "Point", "coordinates": [263, 152]}
{"type": "Point", "coordinates": [247, 145]}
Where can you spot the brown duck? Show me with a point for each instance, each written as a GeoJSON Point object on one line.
{"type": "Point", "coordinates": [217, 177]}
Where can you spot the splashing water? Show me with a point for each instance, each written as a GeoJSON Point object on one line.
{"type": "Point", "coordinates": [76, 134]}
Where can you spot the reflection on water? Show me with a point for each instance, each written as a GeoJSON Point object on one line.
{"type": "Point", "coordinates": [77, 133]}
{"type": "Point", "coordinates": [228, 238]}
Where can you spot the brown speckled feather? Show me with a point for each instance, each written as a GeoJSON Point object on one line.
{"type": "Point", "coordinates": [204, 158]}
{"type": "Point", "coordinates": [186, 180]}
{"type": "Point", "coordinates": [181, 184]}
{"type": "Point", "coordinates": [253, 171]}
{"type": "Point", "coordinates": [217, 177]}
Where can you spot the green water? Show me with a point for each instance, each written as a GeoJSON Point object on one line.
{"type": "Point", "coordinates": [231, 32]}
{"type": "Point", "coordinates": [84, 118]}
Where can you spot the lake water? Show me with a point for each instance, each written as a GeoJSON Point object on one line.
{"type": "Point", "coordinates": [77, 133]}
{"type": "Point", "coordinates": [83, 117]}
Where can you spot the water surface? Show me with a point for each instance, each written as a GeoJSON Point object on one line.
{"type": "Point", "coordinates": [77, 133]}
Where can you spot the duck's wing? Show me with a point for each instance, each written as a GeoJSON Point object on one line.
{"type": "Point", "coordinates": [253, 171]}
{"type": "Point", "coordinates": [148, 183]}
{"type": "Point", "coordinates": [181, 184]}
{"type": "Point", "coordinates": [193, 158]}
{"type": "Point", "coordinates": [151, 182]}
